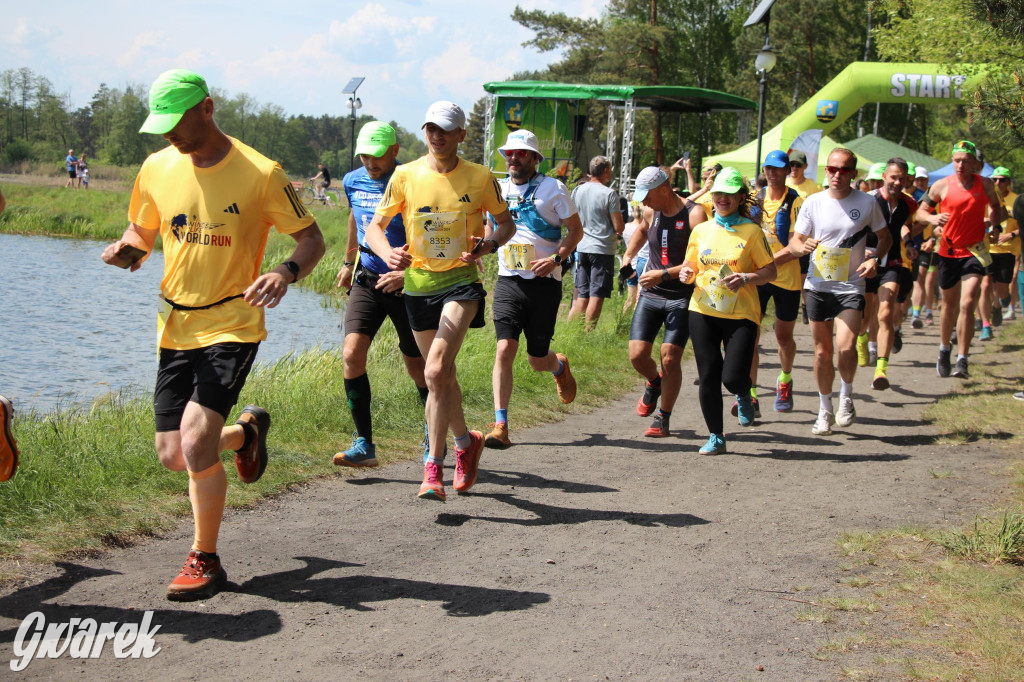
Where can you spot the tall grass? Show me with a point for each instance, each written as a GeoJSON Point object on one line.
{"type": "Point", "coordinates": [90, 477]}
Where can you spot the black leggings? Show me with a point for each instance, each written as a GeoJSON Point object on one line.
{"type": "Point", "coordinates": [707, 335]}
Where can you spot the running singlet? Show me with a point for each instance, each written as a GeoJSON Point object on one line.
{"type": "Point", "coordinates": [214, 224]}
{"type": "Point", "coordinates": [1012, 246]}
{"type": "Point", "coordinates": [717, 251]}
{"type": "Point", "coordinates": [364, 193]}
{"type": "Point", "coordinates": [777, 222]}
{"type": "Point", "coordinates": [667, 240]}
{"type": "Point", "coordinates": [895, 219]}
{"type": "Point", "coordinates": [442, 212]}
{"type": "Point", "coordinates": [538, 207]}
{"type": "Point", "coordinates": [966, 224]}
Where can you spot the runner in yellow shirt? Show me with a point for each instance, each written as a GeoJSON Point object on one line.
{"type": "Point", "coordinates": [442, 199]}
{"type": "Point", "coordinates": [212, 200]}
{"type": "Point", "coordinates": [1004, 246]}
{"type": "Point", "coordinates": [726, 258]}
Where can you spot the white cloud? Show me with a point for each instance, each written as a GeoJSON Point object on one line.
{"type": "Point", "coordinates": [373, 35]}
{"type": "Point", "coordinates": [142, 48]}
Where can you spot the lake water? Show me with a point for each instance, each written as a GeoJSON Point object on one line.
{"type": "Point", "coordinates": [73, 328]}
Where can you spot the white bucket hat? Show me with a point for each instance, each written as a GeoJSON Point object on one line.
{"type": "Point", "coordinates": [522, 139]}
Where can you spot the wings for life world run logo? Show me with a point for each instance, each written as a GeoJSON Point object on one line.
{"type": "Point", "coordinates": [82, 638]}
{"type": "Point", "coordinates": [195, 231]}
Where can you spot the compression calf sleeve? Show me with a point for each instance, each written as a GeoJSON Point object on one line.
{"type": "Point", "coordinates": [207, 490]}
{"type": "Point", "coordinates": [358, 393]}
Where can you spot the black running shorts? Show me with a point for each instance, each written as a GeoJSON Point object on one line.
{"type": "Point", "coordinates": [527, 306]}
{"type": "Point", "coordinates": [952, 270]}
{"type": "Point", "coordinates": [425, 311]}
{"type": "Point", "coordinates": [368, 307]}
{"type": "Point", "coordinates": [787, 301]}
{"type": "Point", "coordinates": [212, 377]}
{"type": "Point", "coordinates": [1002, 267]}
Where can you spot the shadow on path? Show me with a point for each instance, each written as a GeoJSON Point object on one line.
{"type": "Point", "coordinates": [191, 625]}
{"type": "Point", "coordinates": [356, 591]}
{"type": "Point", "coordinates": [550, 515]}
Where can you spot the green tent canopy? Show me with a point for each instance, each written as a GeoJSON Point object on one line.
{"type": "Point", "coordinates": [675, 98]}
{"type": "Point", "coordinates": [880, 149]}
{"type": "Point", "coordinates": [557, 114]}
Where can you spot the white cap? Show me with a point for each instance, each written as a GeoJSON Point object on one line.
{"type": "Point", "coordinates": [522, 139]}
{"type": "Point", "coordinates": [921, 172]}
{"type": "Point", "coordinates": [648, 179]}
{"type": "Point", "coordinates": [447, 115]}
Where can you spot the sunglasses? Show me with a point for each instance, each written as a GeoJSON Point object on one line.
{"type": "Point", "coordinates": [525, 153]}
{"type": "Point", "coordinates": [840, 170]}
{"type": "Point", "coordinates": [796, 164]}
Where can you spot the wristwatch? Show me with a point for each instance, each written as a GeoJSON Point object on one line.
{"type": "Point", "coordinates": [556, 259]}
{"type": "Point", "coordinates": [293, 268]}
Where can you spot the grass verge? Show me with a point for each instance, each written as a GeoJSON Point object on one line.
{"type": "Point", "coordinates": [89, 477]}
{"type": "Point", "coordinates": [942, 603]}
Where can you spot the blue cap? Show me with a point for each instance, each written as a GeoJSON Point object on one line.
{"type": "Point", "coordinates": [777, 159]}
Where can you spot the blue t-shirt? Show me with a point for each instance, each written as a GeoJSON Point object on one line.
{"type": "Point", "coordinates": [364, 193]}
{"type": "Point", "coordinates": [70, 163]}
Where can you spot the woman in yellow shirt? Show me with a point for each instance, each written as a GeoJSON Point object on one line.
{"type": "Point", "coordinates": [726, 258]}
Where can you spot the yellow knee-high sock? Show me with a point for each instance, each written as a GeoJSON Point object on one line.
{"type": "Point", "coordinates": [207, 490]}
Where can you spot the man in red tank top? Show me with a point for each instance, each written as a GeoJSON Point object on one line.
{"type": "Point", "coordinates": [960, 234]}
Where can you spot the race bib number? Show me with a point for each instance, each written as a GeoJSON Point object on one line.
{"type": "Point", "coordinates": [831, 263]}
{"type": "Point", "coordinates": [163, 313]}
{"type": "Point", "coordinates": [439, 235]}
{"type": "Point", "coordinates": [712, 293]}
{"type": "Point", "coordinates": [518, 256]}
{"type": "Point", "coordinates": [980, 251]}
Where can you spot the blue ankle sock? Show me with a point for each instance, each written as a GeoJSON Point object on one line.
{"type": "Point", "coordinates": [501, 416]}
{"type": "Point", "coordinates": [561, 368]}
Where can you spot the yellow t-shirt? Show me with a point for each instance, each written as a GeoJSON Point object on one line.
{"type": "Point", "coordinates": [442, 212]}
{"type": "Point", "coordinates": [788, 276]}
{"type": "Point", "coordinates": [805, 188]}
{"type": "Point", "coordinates": [706, 201]}
{"type": "Point", "coordinates": [1009, 225]}
{"type": "Point", "coordinates": [745, 249]}
{"type": "Point", "coordinates": [214, 223]}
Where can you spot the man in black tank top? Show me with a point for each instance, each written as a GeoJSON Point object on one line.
{"type": "Point", "coordinates": [663, 299]}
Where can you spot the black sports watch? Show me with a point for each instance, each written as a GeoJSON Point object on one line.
{"type": "Point", "coordinates": [293, 268]}
{"type": "Point", "coordinates": [556, 259]}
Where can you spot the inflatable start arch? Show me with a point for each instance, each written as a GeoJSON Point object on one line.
{"type": "Point", "coordinates": [858, 84]}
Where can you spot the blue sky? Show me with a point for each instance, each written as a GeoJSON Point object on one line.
{"type": "Point", "coordinates": [296, 55]}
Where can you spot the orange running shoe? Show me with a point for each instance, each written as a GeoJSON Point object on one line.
{"type": "Point", "coordinates": [8, 446]}
{"type": "Point", "coordinates": [565, 383]}
{"type": "Point", "coordinates": [467, 462]}
{"type": "Point", "coordinates": [200, 578]}
{"type": "Point", "coordinates": [251, 461]}
{"type": "Point", "coordinates": [432, 487]}
{"type": "Point", "coordinates": [498, 437]}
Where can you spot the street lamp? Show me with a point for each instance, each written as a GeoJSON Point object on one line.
{"type": "Point", "coordinates": [353, 103]}
{"type": "Point", "coordinates": [763, 63]}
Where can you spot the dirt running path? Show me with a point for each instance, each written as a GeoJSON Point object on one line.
{"type": "Point", "coordinates": [584, 552]}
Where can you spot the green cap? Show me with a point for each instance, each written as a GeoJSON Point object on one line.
{"type": "Point", "coordinates": [1001, 172]}
{"type": "Point", "coordinates": [967, 147]}
{"type": "Point", "coordinates": [374, 138]}
{"type": "Point", "coordinates": [728, 181]}
{"type": "Point", "coordinates": [172, 94]}
{"type": "Point", "coordinates": [877, 171]}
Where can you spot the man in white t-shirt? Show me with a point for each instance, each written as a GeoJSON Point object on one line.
{"type": "Point", "coordinates": [833, 226]}
{"type": "Point", "coordinates": [529, 287]}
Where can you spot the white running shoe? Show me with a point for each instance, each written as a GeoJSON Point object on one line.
{"type": "Point", "coordinates": [823, 424]}
{"type": "Point", "coordinates": [846, 414]}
